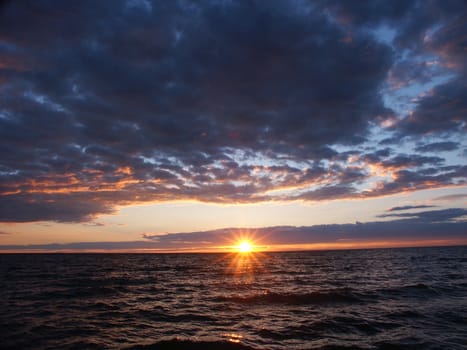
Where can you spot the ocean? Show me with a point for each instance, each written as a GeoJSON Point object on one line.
{"type": "Point", "coordinates": [408, 298]}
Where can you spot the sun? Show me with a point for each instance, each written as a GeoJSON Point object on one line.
{"type": "Point", "coordinates": [244, 247]}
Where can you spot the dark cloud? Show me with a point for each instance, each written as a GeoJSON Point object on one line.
{"type": "Point", "coordinates": [438, 146]}
{"type": "Point", "coordinates": [406, 72]}
{"type": "Point", "coordinates": [408, 207]}
{"type": "Point", "coordinates": [431, 216]}
{"type": "Point", "coordinates": [444, 111]}
{"type": "Point", "coordinates": [412, 180]}
{"type": "Point", "coordinates": [329, 192]}
{"type": "Point", "coordinates": [116, 102]}
{"type": "Point", "coordinates": [432, 35]}
{"type": "Point", "coordinates": [83, 246]}
{"type": "Point", "coordinates": [57, 207]}
{"type": "Point", "coordinates": [412, 19]}
{"type": "Point", "coordinates": [404, 161]}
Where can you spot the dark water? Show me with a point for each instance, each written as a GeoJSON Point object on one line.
{"type": "Point", "coordinates": [367, 299]}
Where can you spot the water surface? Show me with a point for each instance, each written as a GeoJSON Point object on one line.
{"type": "Point", "coordinates": [369, 299]}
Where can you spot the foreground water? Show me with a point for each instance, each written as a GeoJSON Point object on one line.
{"type": "Point", "coordinates": [370, 299]}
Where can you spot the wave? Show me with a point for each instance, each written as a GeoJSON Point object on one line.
{"type": "Point", "coordinates": [300, 301]}
{"type": "Point", "coordinates": [329, 297]}
{"type": "Point", "coordinates": [177, 344]}
{"type": "Point", "coordinates": [411, 290]}
{"type": "Point", "coordinates": [183, 317]}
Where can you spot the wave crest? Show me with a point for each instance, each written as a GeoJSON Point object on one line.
{"type": "Point", "coordinates": [178, 344]}
{"type": "Point", "coordinates": [329, 297]}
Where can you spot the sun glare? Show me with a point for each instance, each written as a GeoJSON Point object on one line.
{"type": "Point", "coordinates": [245, 247]}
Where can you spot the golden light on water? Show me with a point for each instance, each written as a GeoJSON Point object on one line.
{"type": "Point", "coordinates": [233, 337]}
{"type": "Point", "coordinates": [245, 258]}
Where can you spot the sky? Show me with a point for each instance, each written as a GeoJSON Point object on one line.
{"type": "Point", "coordinates": [138, 125]}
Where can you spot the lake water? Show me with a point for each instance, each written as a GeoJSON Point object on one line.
{"type": "Point", "coordinates": [357, 299]}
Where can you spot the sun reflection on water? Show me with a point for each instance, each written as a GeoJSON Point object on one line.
{"type": "Point", "coordinates": [245, 261]}
{"type": "Point", "coordinates": [245, 267]}
{"type": "Point", "coordinates": [233, 337]}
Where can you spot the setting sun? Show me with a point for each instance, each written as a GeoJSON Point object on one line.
{"type": "Point", "coordinates": [245, 247]}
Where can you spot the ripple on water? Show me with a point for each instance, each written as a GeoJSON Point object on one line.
{"type": "Point", "coordinates": [366, 299]}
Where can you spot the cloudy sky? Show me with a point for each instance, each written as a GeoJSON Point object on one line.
{"type": "Point", "coordinates": [163, 123]}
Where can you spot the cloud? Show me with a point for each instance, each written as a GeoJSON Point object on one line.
{"type": "Point", "coordinates": [108, 104]}
{"type": "Point", "coordinates": [451, 197]}
{"type": "Point", "coordinates": [438, 147]}
{"type": "Point", "coordinates": [432, 216]}
{"type": "Point", "coordinates": [441, 225]}
{"type": "Point", "coordinates": [411, 22]}
{"type": "Point", "coordinates": [432, 37]}
{"type": "Point", "coordinates": [442, 112]}
{"type": "Point", "coordinates": [57, 207]}
{"type": "Point", "coordinates": [134, 245]}
{"type": "Point", "coordinates": [406, 72]}
{"type": "Point", "coordinates": [408, 207]}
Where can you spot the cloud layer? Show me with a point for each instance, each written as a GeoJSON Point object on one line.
{"type": "Point", "coordinates": [445, 225]}
{"type": "Point", "coordinates": [119, 102]}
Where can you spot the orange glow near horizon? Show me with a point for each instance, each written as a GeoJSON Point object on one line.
{"type": "Point", "coordinates": [258, 251]}
{"type": "Point", "coordinates": [244, 242]}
